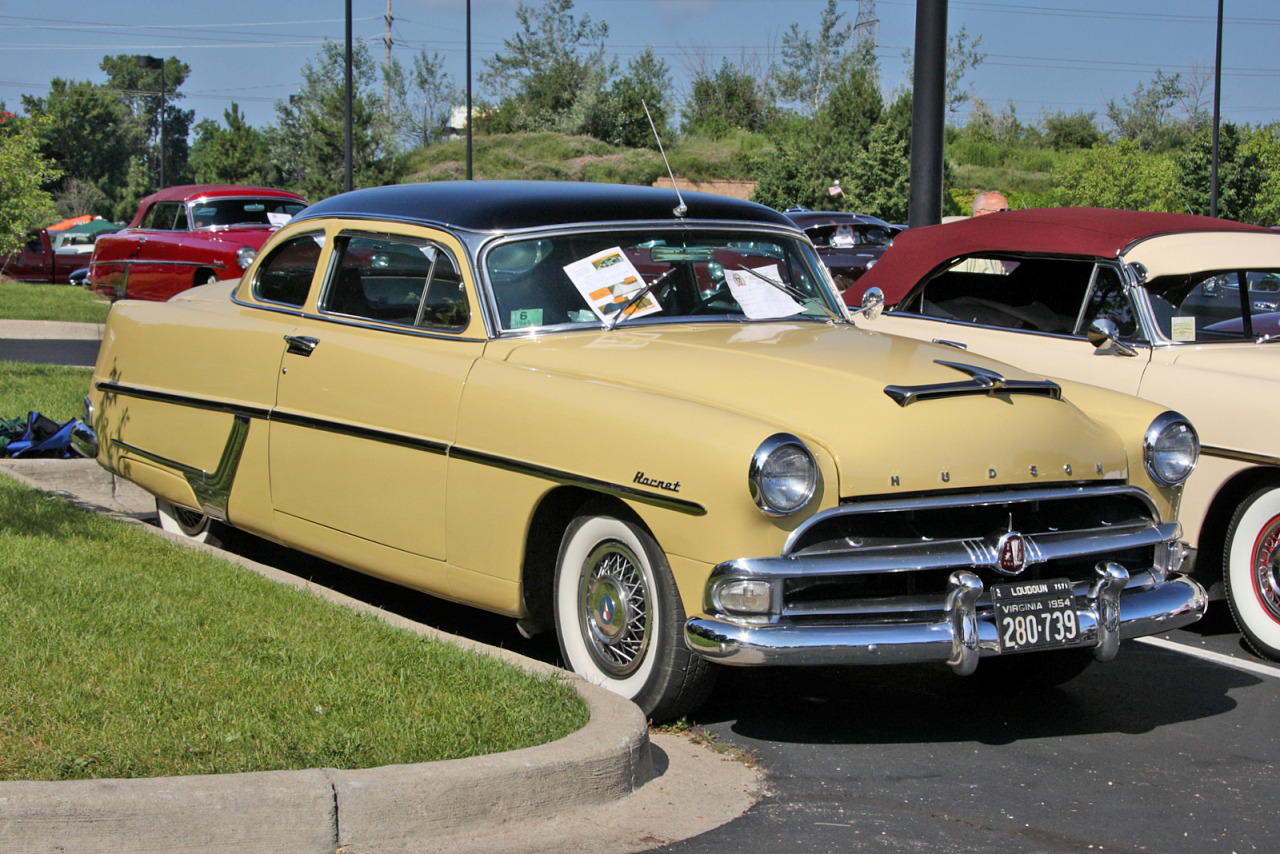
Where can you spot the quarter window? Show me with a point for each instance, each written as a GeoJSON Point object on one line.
{"type": "Point", "coordinates": [396, 279]}
{"type": "Point", "coordinates": [285, 275]}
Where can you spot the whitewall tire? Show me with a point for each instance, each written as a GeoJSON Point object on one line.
{"type": "Point", "coordinates": [1252, 570]}
{"type": "Point", "coordinates": [190, 524]}
{"type": "Point", "coordinates": [619, 619]}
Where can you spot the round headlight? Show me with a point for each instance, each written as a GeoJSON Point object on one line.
{"type": "Point", "coordinates": [783, 475]}
{"type": "Point", "coordinates": [1170, 449]}
{"type": "Point", "coordinates": [245, 256]}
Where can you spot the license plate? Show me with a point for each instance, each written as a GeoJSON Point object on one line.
{"type": "Point", "coordinates": [1036, 615]}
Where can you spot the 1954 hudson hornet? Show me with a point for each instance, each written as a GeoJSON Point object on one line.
{"type": "Point", "coordinates": [649, 424]}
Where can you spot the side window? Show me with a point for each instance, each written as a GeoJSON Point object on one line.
{"type": "Point", "coordinates": [396, 279]}
{"type": "Point", "coordinates": [1032, 294]}
{"type": "Point", "coordinates": [1215, 309]}
{"type": "Point", "coordinates": [165, 216]}
{"type": "Point", "coordinates": [285, 275]}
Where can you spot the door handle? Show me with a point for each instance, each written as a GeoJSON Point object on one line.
{"type": "Point", "coordinates": [301, 345]}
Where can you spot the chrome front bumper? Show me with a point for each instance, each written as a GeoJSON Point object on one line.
{"type": "Point", "coordinates": [1114, 608]}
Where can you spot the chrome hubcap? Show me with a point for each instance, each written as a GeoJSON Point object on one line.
{"type": "Point", "coordinates": [614, 608]}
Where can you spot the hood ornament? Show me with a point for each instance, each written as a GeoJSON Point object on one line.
{"type": "Point", "coordinates": [982, 381]}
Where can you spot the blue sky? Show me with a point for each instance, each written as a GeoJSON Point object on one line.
{"type": "Point", "coordinates": [1041, 54]}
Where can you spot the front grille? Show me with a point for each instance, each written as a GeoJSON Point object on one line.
{"type": "Point", "coordinates": [890, 560]}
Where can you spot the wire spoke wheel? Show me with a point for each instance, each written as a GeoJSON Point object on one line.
{"type": "Point", "coordinates": [614, 598]}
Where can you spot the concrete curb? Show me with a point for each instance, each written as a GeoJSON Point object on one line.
{"type": "Point", "coordinates": [415, 807]}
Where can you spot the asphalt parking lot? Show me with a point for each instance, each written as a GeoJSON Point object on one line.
{"type": "Point", "coordinates": [1170, 748]}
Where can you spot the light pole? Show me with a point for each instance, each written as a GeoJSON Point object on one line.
{"type": "Point", "coordinates": [151, 63]}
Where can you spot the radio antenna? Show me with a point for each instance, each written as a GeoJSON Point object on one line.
{"type": "Point", "coordinates": [680, 209]}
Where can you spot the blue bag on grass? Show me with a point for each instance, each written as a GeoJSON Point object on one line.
{"type": "Point", "coordinates": [43, 437]}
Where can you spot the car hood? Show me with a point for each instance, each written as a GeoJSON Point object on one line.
{"type": "Point", "coordinates": [827, 384]}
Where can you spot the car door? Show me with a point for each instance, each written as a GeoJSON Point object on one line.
{"type": "Point", "coordinates": [369, 389]}
{"type": "Point", "coordinates": [1033, 313]}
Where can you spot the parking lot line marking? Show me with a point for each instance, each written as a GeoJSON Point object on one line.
{"type": "Point", "coordinates": [1218, 658]}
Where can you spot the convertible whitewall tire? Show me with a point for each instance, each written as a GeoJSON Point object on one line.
{"type": "Point", "coordinates": [1252, 570]}
{"type": "Point", "coordinates": [619, 619]}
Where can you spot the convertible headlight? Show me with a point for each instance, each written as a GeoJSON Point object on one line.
{"type": "Point", "coordinates": [783, 475]}
{"type": "Point", "coordinates": [1170, 449]}
{"type": "Point", "coordinates": [245, 256]}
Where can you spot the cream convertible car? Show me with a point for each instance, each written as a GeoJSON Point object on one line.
{"type": "Point", "coordinates": [648, 424]}
{"type": "Point", "coordinates": [1178, 309]}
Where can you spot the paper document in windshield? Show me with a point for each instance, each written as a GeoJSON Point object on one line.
{"type": "Point", "coordinates": [608, 280]}
{"type": "Point", "coordinates": [758, 298]}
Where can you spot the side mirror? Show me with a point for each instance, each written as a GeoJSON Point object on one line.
{"type": "Point", "coordinates": [1103, 333]}
{"type": "Point", "coordinates": [872, 303]}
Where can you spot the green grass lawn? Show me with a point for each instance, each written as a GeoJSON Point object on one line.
{"type": "Point", "coordinates": [56, 391]}
{"type": "Point", "coordinates": [126, 655]}
{"type": "Point", "coordinates": [27, 301]}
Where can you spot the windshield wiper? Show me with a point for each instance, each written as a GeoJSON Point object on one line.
{"type": "Point", "coordinates": [795, 293]}
{"type": "Point", "coordinates": [635, 298]}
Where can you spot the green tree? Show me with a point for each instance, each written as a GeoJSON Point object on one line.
{"type": "Point", "coordinates": [307, 143]}
{"type": "Point", "coordinates": [139, 88]}
{"type": "Point", "coordinates": [237, 154]}
{"type": "Point", "coordinates": [433, 85]}
{"type": "Point", "coordinates": [727, 100]}
{"type": "Point", "coordinates": [810, 64]}
{"type": "Point", "coordinates": [1263, 146]}
{"type": "Point", "coordinates": [962, 57]}
{"type": "Point", "coordinates": [88, 132]}
{"type": "Point", "coordinates": [1121, 176]}
{"type": "Point", "coordinates": [552, 73]}
{"type": "Point", "coordinates": [24, 174]}
{"type": "Point", "coordinates": [1146, 117]}
{"type": "Point", "coordinates": [1242, 174]}
{"type": "Point", "coordinates": [620, 119]}
{"type": "Point", "coordinates": [1069, 131]}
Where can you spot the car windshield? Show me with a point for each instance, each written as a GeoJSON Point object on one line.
{"type": "Point", "coordinates": [268, 211]}
{"type": "Point", "coordinates": [635, 277]}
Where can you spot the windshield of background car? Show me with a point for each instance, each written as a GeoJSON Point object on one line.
{"type": "Point", "coordinates": [587, 278]}
{"type": "Point", "coordinates": [207, 213]}
{"type": "Point", "coordinates": [1211, 306]}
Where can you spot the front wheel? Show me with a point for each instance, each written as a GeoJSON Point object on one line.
{"type": "Point", "coordinates": [1252, 570]}
{"type": "Point", "coordinates": [191, 524]}
{"type": "Point", "coordinates": [619, 619]}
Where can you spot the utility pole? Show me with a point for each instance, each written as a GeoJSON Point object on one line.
{"type": "Point", "coordinates": [386, 68]}
{"type": "Point", "coordinates": [928, 104]}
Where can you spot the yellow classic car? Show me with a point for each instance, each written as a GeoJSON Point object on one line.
{"type": "Point", "coordinates": [644, 421]}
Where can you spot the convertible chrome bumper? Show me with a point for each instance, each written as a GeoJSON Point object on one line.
{"type": "Point", "coordinates": [1111, 608]}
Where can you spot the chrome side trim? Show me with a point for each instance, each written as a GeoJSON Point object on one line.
{"type": "Point", "coordinates": [1239, 456]}
{"type": "Point", "coordinates": [983, 381]}
{"type": "Point", "coordinates": [565, 478]}
{"type": "Point", "coordinates": [624, 491]}
{"type": "Point", "coordinates": [212, 489]}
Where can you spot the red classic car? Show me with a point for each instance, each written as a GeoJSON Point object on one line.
{"type": "Point", "coordinates": [188, 235]}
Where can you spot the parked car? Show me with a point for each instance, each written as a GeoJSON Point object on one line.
{"type": "Point", "coordinates": [521, 396]}
{"type": "Point", "coordinates": [1172, 307]}
{"type": "Point", "coordinates": [40, 260]}
{"type": "Point", "coordinates": [186, 236]}
{"type": "Point", "coordinates": [848, 243]}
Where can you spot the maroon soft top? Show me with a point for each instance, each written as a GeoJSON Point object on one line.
{"type": "Point", "coordinates": [1091, 232]}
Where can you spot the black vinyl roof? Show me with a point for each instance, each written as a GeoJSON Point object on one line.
{"type": "Point", "coordinates": [512, 205]}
